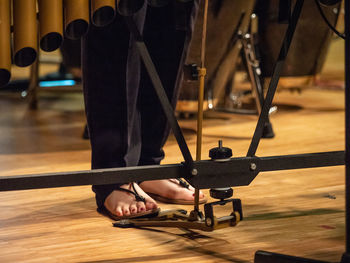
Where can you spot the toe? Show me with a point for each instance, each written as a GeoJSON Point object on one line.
{"type": "Point", "coordinates": [151, 205]}
{"type": "Point", "coordinates": [118, 211]}
{"type": "Point", "coordinates": [133, 209]}
{"type": "Point", "coordinates": [126, 210]}
{"type": "Point", "coordinates": [141, 207]}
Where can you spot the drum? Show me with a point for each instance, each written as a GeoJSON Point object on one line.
{"type": "Point", "coordinates": [310, 44]}
{"type": "Point", "coordinates": [225, 19]}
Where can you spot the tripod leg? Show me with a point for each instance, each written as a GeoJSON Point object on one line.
{"type": "Point", "coordinates": [252, 66]}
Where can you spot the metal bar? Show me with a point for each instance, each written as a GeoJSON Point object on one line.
{"type": "Point", "coordinates": [300, 161]}
{"type": "Point", "coordinates": [347, 123]}
{"type": "Point", "coordinates": [235, 172]}
{"type": "Point", "coordinates": [269, 257]}
{"type": "Point", "coordinates": [275, 78]}
{"type": "Point", "coordinates": [90, 177]}
{"type": "Point", "coordinates": [202, 74]}
{"type": "Point", "coordinates": [158, 87]}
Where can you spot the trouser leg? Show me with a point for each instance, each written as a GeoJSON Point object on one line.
{"type": "Point", "coordinates": [111, 78]}
{"type": "Point", "coordinates": [167, 33]}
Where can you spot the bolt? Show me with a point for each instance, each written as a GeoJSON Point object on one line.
{"type": "Point", "coordinates": [194, 172]}
{"type": "Point", "coordinates": [253, 166]}
{"type": "Point", "coordinates": [208, 221]}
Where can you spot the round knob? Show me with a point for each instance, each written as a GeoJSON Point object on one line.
{"type": "Point", "coordinates": [220, 153]}
{"type": "Point", "coordinates": [221, 193]}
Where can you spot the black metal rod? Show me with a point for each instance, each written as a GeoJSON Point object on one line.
{"type": "Point", "coordinates": [275, 78]}
{"type": "Point", "coordinates": [269, 257]}
{"type": "Point", "coordinates": [235, 172]}
{"type": "Point", "coordinates": [347, 124]}
{"type": "Point", "coordinates": [158, 87]}
{"type": "Point", "coordinates": [300, 161]}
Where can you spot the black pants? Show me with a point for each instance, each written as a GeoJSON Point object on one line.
{"type": "Point", "coordinates": [126, 123]}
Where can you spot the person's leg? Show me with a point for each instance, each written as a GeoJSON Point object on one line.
{"type": "Point", "coordinates": [166, 33]}
{"type": "Point", "coordinates": [108, 61]}
{"type": "Point", "coordinates": [167, 44]}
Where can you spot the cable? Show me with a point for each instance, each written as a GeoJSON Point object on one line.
{"type": "Point", "coordinates": [326, 20]}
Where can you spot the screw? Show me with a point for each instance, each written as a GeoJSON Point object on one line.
{"type": "Point", "coordinates": [194, 172]}
{"type": "Point", "coordinates": [253, 166]}
{"type": "Point", "coordinates": [220, 144]}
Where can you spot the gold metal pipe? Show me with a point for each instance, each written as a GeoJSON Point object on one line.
{"type": "Point", "coordinates": [202, 74]}
{"type": "Point", "coordinates": [102, 12]}
{"type": "Point", "coordinates": [51, 24]}
{"type": "Point", "coordinates": [129, 7]}
{"type": "Point", "coordinates": [25, 32]}
{"type": "Point", "coordinates": [76, 18]}
{"type": "Point", "coordinates": [5, 42]}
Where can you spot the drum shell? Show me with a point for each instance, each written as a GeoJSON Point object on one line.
{"type": "Point", "coordinates": [225, 18]}
{"type": "Point", "coordinates": [102, 12]}
{"type": "Point", "coordinates": [25, 32]}
{"type": "Point", "coordinates": [310, 43]}
{"type": "Point", "coordinates": [51, 24]}
{"type": "Point", "coordinates": [76, 18]}
{"type": "Point", "coordinates": [129, 7]}
{"type": "Point", "coordinates": [5, 43]}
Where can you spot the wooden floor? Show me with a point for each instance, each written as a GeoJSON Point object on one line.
{"type": "Point", "coordinates": [297, 212]}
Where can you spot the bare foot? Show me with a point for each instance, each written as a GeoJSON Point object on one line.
{"type": "Point", "coordinates": [122, 203]}
{"type": "Point", "coordinates": [170, 189]}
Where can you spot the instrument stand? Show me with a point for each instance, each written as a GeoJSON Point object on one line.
{"type": "Point", "coordinates": [254, 71]}
{"type": "Point", "coordinates": [245, 41]}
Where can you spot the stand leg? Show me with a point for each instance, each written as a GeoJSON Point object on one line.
{"type": "Point", "coordinates": [33, 85]}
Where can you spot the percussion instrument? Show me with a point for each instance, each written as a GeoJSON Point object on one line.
{"type": "Point", "coordinates": [225, 19]}
{"type": "Point", "coordinates": [44, 24]}
{"type": "Point", "coordinates": [311, 41]}
{"type": "Point", "coordinates": [228, 19]}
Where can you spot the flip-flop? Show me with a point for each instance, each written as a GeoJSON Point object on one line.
{"type": "Point", "coordinates": [150, 213]}
{"type": "Point", "coordinates": [163, 199]}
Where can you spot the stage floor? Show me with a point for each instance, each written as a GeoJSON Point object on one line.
{"type": "Point", "coordinates": [296, 212]}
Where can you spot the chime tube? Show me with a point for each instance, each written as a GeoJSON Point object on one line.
{"type": "Point", "coordinates": [5, 43]}
{"type": "Point", "coordinates": [102, 12]}
{"type": "Point", "coordinates": [129, 7]}
{"type": "Point", "coordinates": [51, 24]}
{"type": "Point", "coordinates": [25, 32]}
{"type": "Point", "coordinates": [76, 17]}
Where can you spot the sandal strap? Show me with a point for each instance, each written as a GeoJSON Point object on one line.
{"type": "Point", "coordinates": [138, 197]}
{"type": "Point", "coordinates": [183, 183]}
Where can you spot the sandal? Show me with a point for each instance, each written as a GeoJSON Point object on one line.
{"type": "Point", "coordinates": [167, 200]}
{"type": "Point", "coordinates": [150, 213]}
